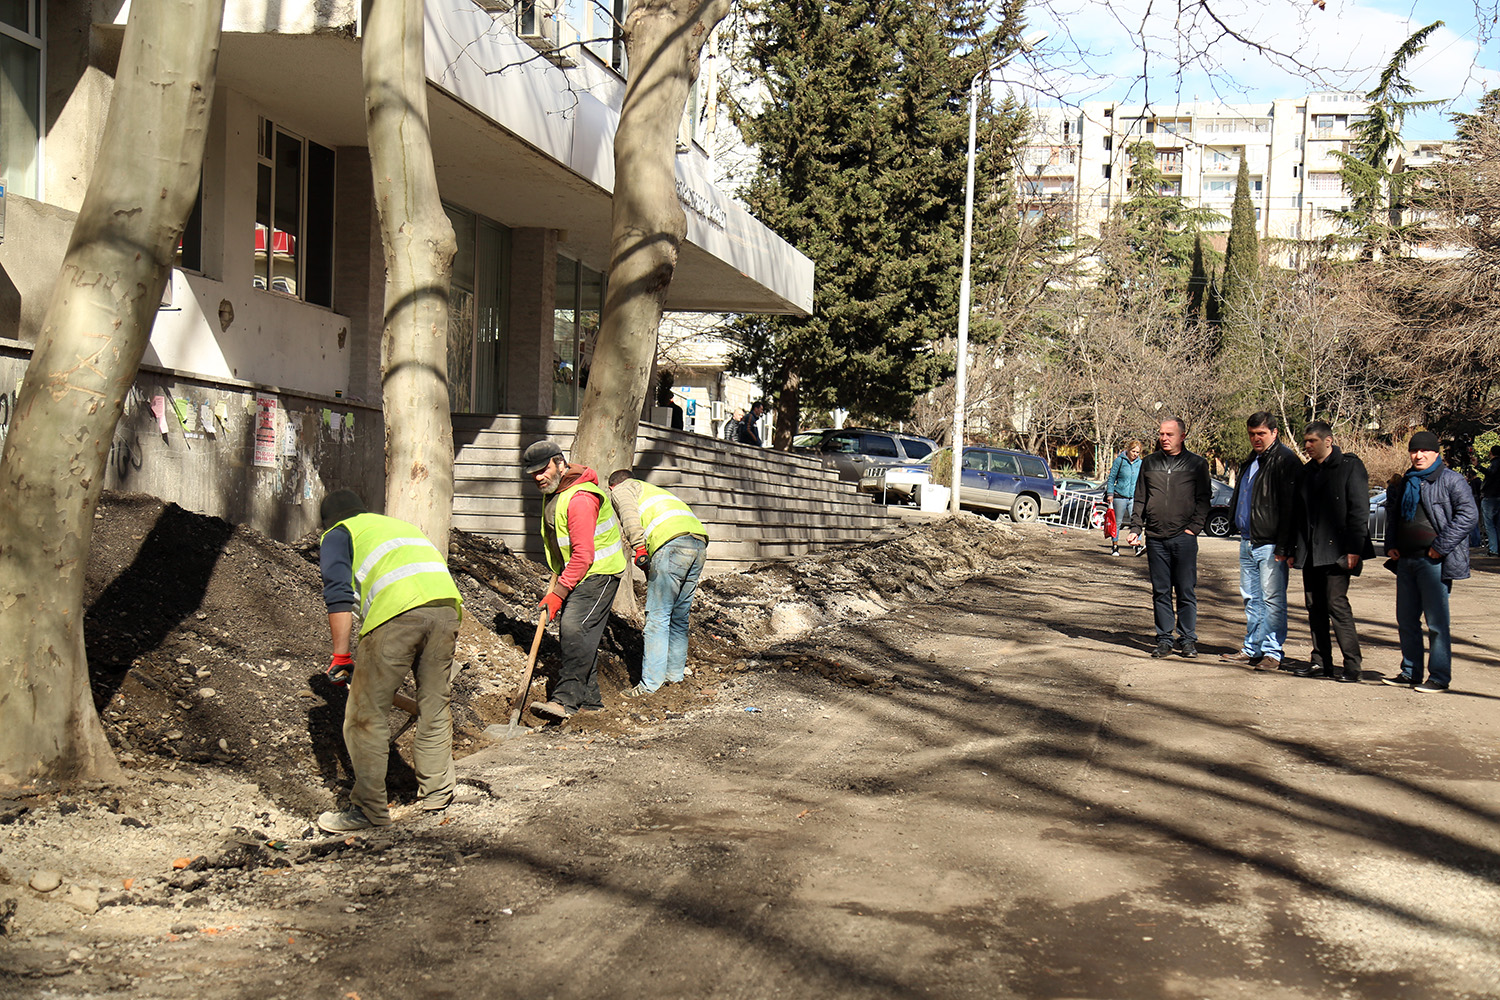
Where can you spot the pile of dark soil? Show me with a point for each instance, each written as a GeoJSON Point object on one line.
{"type": "Point", "coordinates": [207, 641]}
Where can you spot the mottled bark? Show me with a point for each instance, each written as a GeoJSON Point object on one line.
{"type": "Point", "coordinates": [419, 248]}
{"type": "Point", "coordinates": [663, 40]}
{"type": "Point", "coordinates": [96, 328]}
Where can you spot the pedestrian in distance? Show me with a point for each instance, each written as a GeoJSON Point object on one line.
{"type": "Point", "coordinates": [670, 544]}
{"type": "Point", "coordinates": [1489, 503]}
{"type": "Point", "coordinates": [409, 611]}
{"type": "Point", "coordinates": [749, 432]}
{"type": "Point", "coordinates": [731, 429]}
{"type": "Point", "coordinates": [1429, 511]}
{"type": "Point", "coordinates": [1172, 498]}
{"type": "Point", "coordinates": [1119, 490]}
{"type": "Point", "coordinates": [1262, 514]}
{"type": "Point", "coordinates": [582, 542]}
{"type": "Point", "coordinates": [1331, 514]}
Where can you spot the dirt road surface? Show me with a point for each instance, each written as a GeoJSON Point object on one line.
{"type": "Point", "coordinates": [1023, 804]}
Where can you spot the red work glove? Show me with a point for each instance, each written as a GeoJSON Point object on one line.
{"type": "Point", "coordinates": [340, 668]}
{"type": "Point", "coordinates": [642, 560]}
{"type": "Point", "coordinates": [552, 603]}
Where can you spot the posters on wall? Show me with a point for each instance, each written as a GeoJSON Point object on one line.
{"type": "Point", "coordinates": [265, 431]}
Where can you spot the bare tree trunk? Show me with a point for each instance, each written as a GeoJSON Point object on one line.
{"type": "Point", "coordinates": [95, 331]}
{"type": "Point", "coordinates": [419, 248]}
{"type": "Point", "coordinates": [788, 410]}
{"type": "Point", "coordinates": [663, 39]}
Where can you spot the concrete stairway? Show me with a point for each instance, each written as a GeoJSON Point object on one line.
{"type": "Point", "coordinates": [757, 503]}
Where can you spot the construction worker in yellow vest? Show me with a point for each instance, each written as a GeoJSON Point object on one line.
{"type": "Point", "coordinates": [669, 544]}
{"type": "Point", "coordinates": [397, 581]}
{"type": "Point", "coordinates": [581, 538]}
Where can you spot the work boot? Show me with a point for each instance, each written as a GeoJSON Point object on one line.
{"type": "Point", "coordinates": [552, 711]}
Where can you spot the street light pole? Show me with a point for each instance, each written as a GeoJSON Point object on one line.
{"type": "Point", "coordinates": [961, 377]}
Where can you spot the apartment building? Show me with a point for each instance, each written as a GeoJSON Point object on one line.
{"type": "Point", "coordinates": [261, 385]}
{"type": "Point", "coordinates": [1078, 162]}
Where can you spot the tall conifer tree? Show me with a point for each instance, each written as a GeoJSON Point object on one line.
{"type": "Point", "coordinates": [1241, 261]}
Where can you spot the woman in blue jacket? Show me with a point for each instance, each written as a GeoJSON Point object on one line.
{"type": "Point", "coordinates": [1119, 489]}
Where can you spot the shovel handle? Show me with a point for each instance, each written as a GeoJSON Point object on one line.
{"type": "Point", "coordinates": [536, 644]}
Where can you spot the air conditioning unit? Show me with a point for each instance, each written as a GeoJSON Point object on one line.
{"type": "Point", "coordinates": [718, 411]}
{"type": "Point", "coordinates": [536, 23]}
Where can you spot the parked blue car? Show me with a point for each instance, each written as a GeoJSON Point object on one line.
{"type": "Point", "coordinates": [1008, 482]}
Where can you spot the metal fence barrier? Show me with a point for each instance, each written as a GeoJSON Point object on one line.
{"type": "Point", "coordinates": [1079, 510]}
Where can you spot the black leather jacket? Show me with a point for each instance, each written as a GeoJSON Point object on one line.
{"type": "Point", "coordinates": [1271, 496]}
{"type": "Point", "coordinates": [1172, 495]}
{"type": "Point", "coordinates": [1332, 512]}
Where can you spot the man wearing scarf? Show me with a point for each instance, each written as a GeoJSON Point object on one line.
{"type": "Point", "coordinates": [1429, 513]}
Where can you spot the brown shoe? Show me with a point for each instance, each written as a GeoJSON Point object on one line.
{"type": "Point", "coordinates": [1270, 663]}
{"type": "Point", "coordinates": [552, 710]}
{"type": "Point", "coordinates": [1238, 657]}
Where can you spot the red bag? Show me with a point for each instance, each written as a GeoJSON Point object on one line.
{"type": "Point", "coordinates": [1111, 523]}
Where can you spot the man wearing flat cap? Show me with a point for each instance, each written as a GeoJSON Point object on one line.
{"type": "Point", "coordinates": [1429, 513]}
{"type": "Point", "coordinates": [582, 542]}
{"type": "Point", "coordinates": [398, 582]}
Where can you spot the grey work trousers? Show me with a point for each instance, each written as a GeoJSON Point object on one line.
{"type": "Point", "coordinates": [421, 639]}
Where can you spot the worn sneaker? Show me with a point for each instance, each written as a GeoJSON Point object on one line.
{"type": "Point", "coordinates": [460, 797]}
{"type": "Point", "coordinates": [1401, 680]}
{"type": "Point", "coordinates": [639, 691]}
{"type": "Point", "coordinates": [1114, 552]}
{"type": "Point", "coordinates": [1163, 649]}
{"type": "Point", "coordinates": [552, 710]}
{"type": "Point", "coordinates": [1189, 650]}
{"type": "Point", "coordinates": [1240, 657]}
{"type": "Point", "coordinates": [348, 821]}
{"type": "Point", "coordinates": [1430, 688]}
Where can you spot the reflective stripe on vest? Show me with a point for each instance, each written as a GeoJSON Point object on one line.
{"type": "Point", "coordinates": [664, 517]}
{"type": "Point", "coordinates": [395, 569]}
{"type": "Point", "coordinates": [609, 549]}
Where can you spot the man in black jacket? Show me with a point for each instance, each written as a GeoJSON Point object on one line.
{"type": "Point", "coordinates": [1262, 508]}
{"type": "Point", "coordinates": [1331, 511]}
{"type": "Point", "coordinates": [1171, 505]}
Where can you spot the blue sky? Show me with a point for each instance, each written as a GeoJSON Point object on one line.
{"type": "Point", "coordinates": [1162, 53]}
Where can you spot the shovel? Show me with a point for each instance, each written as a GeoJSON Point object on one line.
{"type": "Point", "coordinates": [495, 732]}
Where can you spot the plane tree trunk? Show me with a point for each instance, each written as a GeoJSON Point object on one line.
{"type": "Point", "coordinates": [95, 330]}
{"type": "Point", "coordinates": [419, 247]}
{"type": "Point", "coordinates": [663, 42]}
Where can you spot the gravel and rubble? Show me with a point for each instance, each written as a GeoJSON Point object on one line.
{"type": "Point", "coordinates": [207, 643]}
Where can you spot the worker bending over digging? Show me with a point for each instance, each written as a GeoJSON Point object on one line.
{"type": "Point", "coordinates": [669, 544]}
{"type": "Point", "coordinates": [409, 610]}
{"type": "Point", "coordinates": [581, 538]}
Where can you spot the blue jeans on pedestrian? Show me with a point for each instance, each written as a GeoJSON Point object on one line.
{"type": "Point", "coordinates": [670, 585]}
{"type": "Point", "coordinates": [1173, 563]}
{"type": "Point", "coordinates": [1122, 506]}
{"type": "Point", "coordinates": [1263, 580]}
{"type": "Point", "coordinates": [1422, 592]}
{"type": "Point", "coordinates": [1489, 517]}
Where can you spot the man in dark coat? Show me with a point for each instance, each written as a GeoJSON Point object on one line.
{"type": "Point", "coordinates": [1262, 514]}
{"type": "Point", "coordinates": [1331, 515]}
{"type": "Point", "coordinates": [1429, 512]}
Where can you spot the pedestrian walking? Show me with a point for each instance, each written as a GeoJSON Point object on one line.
{"type": "Point", "coordinates": [670, 544]}
{"type": "Point", "coordinates": [749, 432]}
{"type": "Point", "coordinates": [1119, 490]}
{"type": "Point", "coordinates": [1171, 507]}
{"type": "Point", "coordinates": [731, 429]}
{"type": "Point", "coordinates": [409, 611]}
{"type": "Point", "coordinates": [1429, 511]}
{"type": "Point", "coordinates": [1331, 514]}
{"type": "Point", "coordinates": [1261, 508]}
{"type": "Point", "coordinates": [581, 539]}
{"type": "Point", "coordinates": [1489, 503]}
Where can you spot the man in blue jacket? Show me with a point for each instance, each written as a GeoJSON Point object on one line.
{"type": "Point", "coordinates": [1429, 513]}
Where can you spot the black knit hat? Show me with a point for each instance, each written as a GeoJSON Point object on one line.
{"type": "Point", "coordinates": [1424, 441]}
{"type": "Point", "coordinates": [338, 505]}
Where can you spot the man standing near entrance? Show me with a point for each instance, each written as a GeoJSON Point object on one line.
{"type": "Point", "coordinates": [1429, 513]}
{"type": "Point", "coordinates": [1331, 513]}
{"type": "Point", "coordinates": [409, 611]}
{"type": "Point", "coordinates": [581, 539]}
{"type": "Point", "coordinates": [670, 544]}
{"type": "Point", "coordinates": [1262, 514]}
{"type": "Point", "coordinates": [1171, 506]}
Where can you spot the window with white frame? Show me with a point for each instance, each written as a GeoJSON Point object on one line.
{"type": "Point", "coordinates": [293, 215]}
{"type": "Point", "coordinates": [20, 96]}
{"type": "Point", "coordinates": [1219, 186]}
{"type": "Point", "coordinates": [1324, 183]}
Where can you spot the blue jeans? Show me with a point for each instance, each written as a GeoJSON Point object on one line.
{"type": "Point", "coordinates": [670, 585]}
{"type": "Point", "coordinates": [1263, 588]}
{"type": "Point", "coordinates": [1421, 592]}
{"type": "Point", "coordinates": [1489, 519]}
{"type": "Point", "coordinates": [1173, 563]}
{"type": "Point", "coordinates": [1122, 506]}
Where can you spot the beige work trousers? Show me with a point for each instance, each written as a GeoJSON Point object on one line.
{"type": "Point", "coordinates": [421, 639]}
